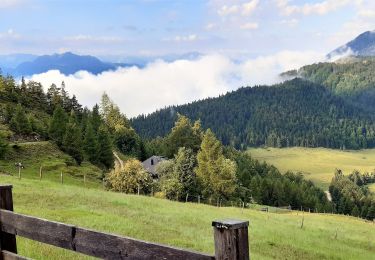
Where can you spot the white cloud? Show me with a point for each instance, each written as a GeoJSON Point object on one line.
{"type": "Point", "coordinates": [248, 8]}
{"type": "Point", "coordinates": [93, 39]}
{"type": "Point", "coordinates": [210, 26]}
{"type": "Point", "coordinates": [320, 8]}
{"type": "Point", "coordinates": [228, 10]}
{"type": "Point", "coordinates": [290, 22]}
{"type": "Point", "coordinates": [185, 38]}
{"type": "Point", "coordinates": [143, 90]}
{"type": "Point", "coordinates": [367, 13]}
{"type": "Point", "coordinates": [245, 9]}
{"type": "Point", "coordinates": [249, 26]}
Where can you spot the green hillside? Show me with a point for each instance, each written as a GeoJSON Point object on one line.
{"type": "Point", "coordinates": [294, 113]}
{"type": "Point", "coordinates": [317, 164]}
{"type": "Point", "coordinates": [345, 77]}
{"type": "Point", "coordinates": [272, 235]}
{"type": "Point", "coordinates": [47, 155]}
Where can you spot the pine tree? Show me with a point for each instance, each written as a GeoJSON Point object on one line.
{"type": "Point", "coordinates": [65, 99]}
{"type": "Point", "coordinates": [57, 126]}
{"type": "Point", "coordinates": [91, 145]}
{"type": "Point", "coordinates": [96, 119]}
{"type": "Point", "coordinates": [53, 97]}
{"type": "Point", "coordinates": [37, 97]}
{"type": "Point", "coordinates": [20, 123]}
{"type": "Point", "coordinates": [72, 142]}
{"type": "Point", "coordinates": [105, 148]}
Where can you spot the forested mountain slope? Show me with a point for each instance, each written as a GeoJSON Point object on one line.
{"type": "Point", "coordinates": [294, 113]}
{"type": "Point", "coordinates": [352, 77]}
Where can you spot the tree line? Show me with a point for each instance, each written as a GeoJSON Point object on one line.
{"type": "Point", "coordinates": [351, 196]}
{"type": "Point", "coordinates": [32, 114]}
{"type": "Point", "coordinates": [200, 165]}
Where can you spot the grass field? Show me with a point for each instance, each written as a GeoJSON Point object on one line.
{"type": "Point", "coordinates": [186, 225]}
{"type": "Point", "coordinates": [53, 161]}
{"type": "Point", "coordinates": [318, 164]}
{"type": "Point", "coordinates": [372, 187]}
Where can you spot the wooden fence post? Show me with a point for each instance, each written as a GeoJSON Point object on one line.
{"type": "Point", "coordinates": [231, 240]}
{"type": "Point", "coordinates": [7, 241]}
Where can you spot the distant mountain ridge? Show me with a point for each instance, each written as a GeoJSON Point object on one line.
{"type": "Point", "coordinates": [362, 45]}
{"type": "Point", "coordinates": [67, 63]}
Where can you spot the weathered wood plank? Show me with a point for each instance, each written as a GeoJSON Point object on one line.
{"type": "Point", "coordinates": [41, 230]}
{"type": "Point", "coordinates": [6, 255]}
{"type": "Point", "coordinates": [114, 247]}
{"type": "Point", "coordinates": [7, 241]}
{"type": "Point", "coordinates": [89, 242]}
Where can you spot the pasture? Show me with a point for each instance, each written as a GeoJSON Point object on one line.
{"type": "Point", "coordinates": [317, 164]}
{"type": "Point", "coordinates": [187, 225]}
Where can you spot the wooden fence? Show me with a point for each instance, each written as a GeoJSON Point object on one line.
{"type": "Point", "coordinates": [230, 236]}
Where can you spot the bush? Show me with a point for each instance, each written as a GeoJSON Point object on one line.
{"type": "Point", "coordinates": [130, 178]}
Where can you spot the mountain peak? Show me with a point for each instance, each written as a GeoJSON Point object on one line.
{"type": "Point", "coordinates": [362, 45]}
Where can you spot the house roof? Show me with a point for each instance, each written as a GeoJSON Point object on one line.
{"type": "Point", "coordinates": [151, 163]}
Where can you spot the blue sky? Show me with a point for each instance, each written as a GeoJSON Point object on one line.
{"type": "Point", "coordinates": [156, 27]}
{"type": "Point", "coordinates": [241, 42]}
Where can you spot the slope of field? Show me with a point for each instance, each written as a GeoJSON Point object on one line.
{"type": "Point", "coordinates": [317, 164]}
{"type": "Point", "coordinates": [372, 187]}
{"type": "Point", "coordinates": [272, 236]}
{"type": "Point", "coordinates": [34, 155]}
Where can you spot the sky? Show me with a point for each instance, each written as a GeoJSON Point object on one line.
{"type": "Point", "coordinates": [240, 42]}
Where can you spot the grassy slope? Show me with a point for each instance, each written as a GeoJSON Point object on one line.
{"type": "Point", "coordinates": [187, 225]}
{"type": "Point", "coordinates": [372, 187]}
{"type": "Point", "coordinates": [183, 225]}
{"type": "Point", "coordinates": [318, 164]}
{"type": "Point", "coordinates": [53, 162]}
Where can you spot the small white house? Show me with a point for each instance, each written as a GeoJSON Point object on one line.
{"type": "Point", "coordinates": [151, 163]}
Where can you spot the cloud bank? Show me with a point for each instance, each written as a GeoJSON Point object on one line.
{"type": "Point", "coordinates": [159, 84]}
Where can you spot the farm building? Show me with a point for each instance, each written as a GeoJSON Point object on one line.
{"type": "Point", "coordinates": [151, 163]}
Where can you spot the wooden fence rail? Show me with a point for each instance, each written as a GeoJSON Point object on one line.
{"type": "Point", "coordinates": [231, 238]}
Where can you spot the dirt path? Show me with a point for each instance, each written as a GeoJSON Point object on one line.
{"type": "Point", "coordinates": [119, 164]}
{"type": "Point", "coordinates": [328, 195]}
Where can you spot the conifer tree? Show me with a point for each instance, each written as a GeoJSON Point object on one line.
{"type": "Point", "coordinates": [91, 145]}
{"type": "Point", "coordinates": [96, 119]}
{"type": "Point", "coordinates": [72, 142]}
{"type": "Point", "coordinates": [57, 126]}
{"type": "Point", "coordinates": [105, 148]}
{"type": "Point", "coordinates": [20, 123]}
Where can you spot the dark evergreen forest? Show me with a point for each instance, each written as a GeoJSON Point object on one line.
{"type": "Point", "coordinates": [294, 113]}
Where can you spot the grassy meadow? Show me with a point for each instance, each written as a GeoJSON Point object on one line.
{"type": "Point", "coordinates": [187, 225]}
{"type": "Point", "coordinates": [317, 164]}
{"type": "Point", "coordinates": [45, 154]}
{"type": "Point", "coordinates": [372, 187]}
